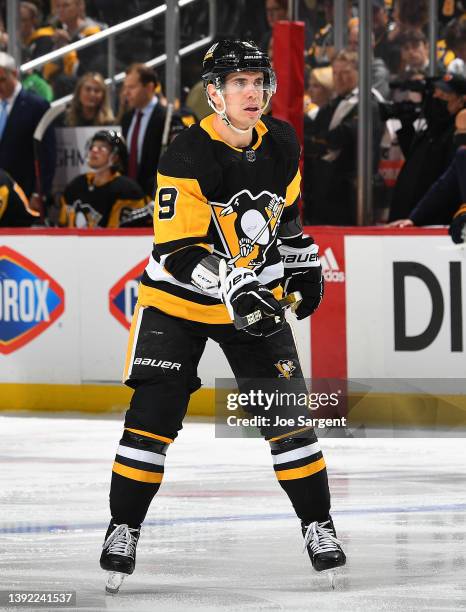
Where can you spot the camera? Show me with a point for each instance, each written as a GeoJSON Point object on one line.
{"type": "Point", "coordinates": [406, 110]}
{"type": "Point", "coordinates": [410, 97]}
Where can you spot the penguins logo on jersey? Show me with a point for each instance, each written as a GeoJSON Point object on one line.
{"type": "Point", "coordinates": [286, 368]}
{"type": "Point", "coordinates": [247, 226]}
{"type": "Point", "coordinates": [85, 215]}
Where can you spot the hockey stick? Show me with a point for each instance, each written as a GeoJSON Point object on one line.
{"type": "Point", "coordinates": [292, 300]}
{"type": "Point", "coordinates": [166, 128]}
{"type": "Point", "coordinates": [454, 247]}
{"type": "Point", "coordinates": [46, 120]}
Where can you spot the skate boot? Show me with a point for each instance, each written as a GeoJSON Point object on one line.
{"type": "Point", "coordinates": [118, 554]}
{"type": "Point", "coordinates": [325, 552]}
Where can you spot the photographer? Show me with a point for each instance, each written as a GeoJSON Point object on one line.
{"type": "Point", "coordinates": [429, 150]}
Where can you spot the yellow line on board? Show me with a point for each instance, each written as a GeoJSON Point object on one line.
{"type": "Point", "coordinates": [384, 409]}
{"type": "Point", "coordinates": [85, 398]}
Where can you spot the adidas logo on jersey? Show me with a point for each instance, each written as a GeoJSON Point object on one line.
{"type": "Point", "coordinates": [330, 268]}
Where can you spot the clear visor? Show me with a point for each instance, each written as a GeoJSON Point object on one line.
{"type": "Point", "coordinates": [261, 87]}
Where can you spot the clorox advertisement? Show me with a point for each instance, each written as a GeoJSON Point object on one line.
{"type": "Point", "coordinates": [30, 300]}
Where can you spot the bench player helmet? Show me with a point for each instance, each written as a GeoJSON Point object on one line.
{"type": "Point", "coordinates": [117, 143]}
{"type": "Point", "coordinates": [229, 56]}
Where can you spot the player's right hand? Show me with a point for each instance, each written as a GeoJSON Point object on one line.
{"type": "Point", "coordinates": [243, 295]}
{"type": "Point", "coordinates": [457, 228]}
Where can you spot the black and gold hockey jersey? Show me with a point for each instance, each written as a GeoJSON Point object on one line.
{"type": "Point", "coordinates": [214, 198]}
{"type": "Point", "coordinates": [119, 202]}
{"type": "Point", "coordinates": [14, 205]}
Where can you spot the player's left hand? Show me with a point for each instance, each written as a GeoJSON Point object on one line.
{"type": "Point", "coordinates": [457, 229]}
{"type": "Point", "coordinates": [303, 273]}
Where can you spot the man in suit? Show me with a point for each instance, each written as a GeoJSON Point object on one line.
{"type": "Point", "coordinates": [143, 125]}
{"type": "Point", "coordinates": [20, 112]}
{"type": "Point", "coordinates": [330, 144]}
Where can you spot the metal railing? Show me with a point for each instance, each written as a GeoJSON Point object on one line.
{"type": "Point", "coordinates": [171, 9]}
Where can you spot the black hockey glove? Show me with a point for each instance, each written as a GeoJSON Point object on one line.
{"type": "Point", "coordinates": [252, 307]}
{"type": "Point", "coordinates": [457, 228]}
{"type": "Point", "coordinates": [303, 273]}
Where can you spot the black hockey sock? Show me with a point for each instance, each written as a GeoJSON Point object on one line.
{"type": "Point", "coordinates": [300, 469]}
{"type": "Point", "coordinates": [136, 476]}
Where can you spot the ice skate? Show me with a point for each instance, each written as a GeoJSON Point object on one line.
{"type": "Point", "coordinates": [118, 554]}
{"type": "Point", "coordinates": [325, 552]}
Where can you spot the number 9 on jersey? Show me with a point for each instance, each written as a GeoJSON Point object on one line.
{"type": "Point", "coordinates": [167, 197]}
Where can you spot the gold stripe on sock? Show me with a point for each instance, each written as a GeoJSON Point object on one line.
{"type": "Point", "coordinates": [150, 435]}
{"type": "Point", "coordinates": [301, 472]}
{"type": "Point", "coordinates": [135, 474]}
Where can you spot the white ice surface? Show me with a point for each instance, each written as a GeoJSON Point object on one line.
{"type": "Point", "coordinates": [221, 534]}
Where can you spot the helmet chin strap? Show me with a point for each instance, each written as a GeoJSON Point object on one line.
{"type": "Point", "coordinates": [107, 166]}
{"type": "Point", "coordinates": [222, 113]}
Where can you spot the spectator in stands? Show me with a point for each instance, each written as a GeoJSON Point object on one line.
{"type": "Point", "coordinates": [409, 15]}
{"type": "Point", "coordinates": [20, 112]}
{"type": "Point", "coordinates": [143, 125]}
{"type": "Point", "coordinates": [197, 101]}
{"type": "Point", "coordinates": [275, 10]}
{"type": "Point", "coordinates": [445, 201]}
{"type": "Point", "coordinates": [331, 149]}
{"type": "Point", "coordinates": [380, 73]}
{"type": "Point", "coordinates": [455, 38]}
{"type": "Point", "coordinates": [320, 89]}
{"type": "Point", "coordinates": [35, 40]}
{"type": "Point", "coordinates": [414, 51]}
{"type": "Point", "coordinates": [72, 25]}
{"type": "Point", "coordinates": [322, 49]}
{"type": "Point", "coordinates": [428, 152]}
{"type": "Point", "coordinates": [3, 35]}
{"type": "Point", "coordinates": [382, 27]}
{"type": "Point", "coordinates": [14, 206]}
{"type": "Point", "coordinates": [104, 197]}
{"type": "Point", "coordinates": [90, 104]}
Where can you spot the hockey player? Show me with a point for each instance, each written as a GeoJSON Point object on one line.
{"type": "Point", "coordinates": [228, 243]}
{"type": "Point", "coordinates": [104, 197]}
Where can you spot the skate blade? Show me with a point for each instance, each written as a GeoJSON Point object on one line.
{"type": "Point", "coordinates": [331, 575]}
{"type": "Point", "coordinates": [114, 582]}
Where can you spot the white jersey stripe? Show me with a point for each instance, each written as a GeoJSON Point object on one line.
{"type": "Point", "coordinates": [297, 453]}
{"type": "Point", "coordinates": [156, 272]}
{"type": "Point", "coordinates": [141, 455]}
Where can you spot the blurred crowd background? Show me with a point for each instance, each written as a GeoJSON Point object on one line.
{"type": "Point", "coordinates": [419, 125]}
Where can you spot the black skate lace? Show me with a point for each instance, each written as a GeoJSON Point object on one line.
{"type": "Point", "coordinates": [121, 541]}
{"type": "Point", "coordinates": [319, 536]}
